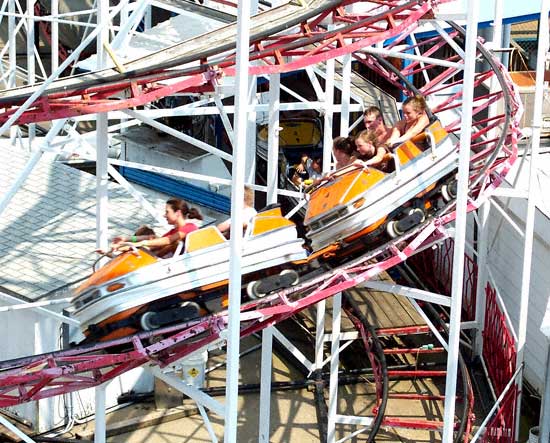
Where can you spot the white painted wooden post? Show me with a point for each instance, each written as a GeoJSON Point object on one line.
{"type": "Point", "coordinates": [31, 71]}
{"type": "Point", "coordinates": [12, 57]}
{"type": "Point", "coordinates": [100, 431]}
{"type": "Point", "coordinates": [536, 125]}
{"type": "Point", "coordinates": [272, 185]}
{"type": "Point", "coordinates": [346, 92]}
{"type": "Point", "coordinates": [460, 232]}
{"type": "Point", "coordinates": [235, 247]}
{"type": "Point", "coordinates": [102, 136]}
{"type": "Point", "coordinates": [55, 36]}
{"type": "Point", "coordinates": [334, 363]}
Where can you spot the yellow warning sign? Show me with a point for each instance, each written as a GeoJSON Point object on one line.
{"type": "Point", "coordinates": [193, 372]}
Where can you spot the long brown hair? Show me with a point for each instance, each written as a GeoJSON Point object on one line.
{"type": "Point", "coordinates": [179, 205]}
{"type": "Point", "coordinates": [344, 144]}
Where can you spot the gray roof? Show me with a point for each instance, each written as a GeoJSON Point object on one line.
{"type": "Point", "coordinates": [47, 233]}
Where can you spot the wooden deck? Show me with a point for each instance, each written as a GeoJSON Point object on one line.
{"type": "Point", "coordinates": [382, 309]}
{"type": "Point", "coordinates": [385, 310]}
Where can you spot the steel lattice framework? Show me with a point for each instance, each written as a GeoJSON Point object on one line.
{"type": "Point", "coordinates": [211, 57]}
{"type": "Point", "coordinates": [284, 39]}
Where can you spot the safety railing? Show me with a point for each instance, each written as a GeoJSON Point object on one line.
{"type": "Point", "coordinates": [436, 265]}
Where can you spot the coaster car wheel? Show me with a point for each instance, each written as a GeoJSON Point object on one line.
{"type": "Point", "coordinates": [449, 190]}
{"type": "Point", "coordinates": [260, 288]}
{"type": "Point", "coordinates": [146, 321]}
{"type": "Point", "coordinates": [414, 217]}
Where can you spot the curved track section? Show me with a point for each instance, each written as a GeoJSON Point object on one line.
{"type": "Point", "coordinates": [41, 376]}
{"type": "Point", "coordinates": [283, 39]}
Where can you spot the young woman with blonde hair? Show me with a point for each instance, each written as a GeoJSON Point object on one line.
{"type": "Point", "coordinates": [414, 121]}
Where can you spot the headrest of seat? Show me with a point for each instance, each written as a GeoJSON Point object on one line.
{"type": "Point", "coordinates": [270, 206]}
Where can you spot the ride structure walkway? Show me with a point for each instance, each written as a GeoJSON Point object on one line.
{"type": "Point", "coordinates": [389, 24]}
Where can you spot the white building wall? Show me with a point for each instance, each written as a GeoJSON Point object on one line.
{"type": "Point", "coordinates": [505, 261]}
{"type": "Point", "coordinates": [31, 333]}
{"type": "Point", "coordinates": [206, 164]}
{"type": "Point", "coordinates": [20, 326]}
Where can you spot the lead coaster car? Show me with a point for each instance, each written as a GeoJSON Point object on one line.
{"type": "Point", "coordinates": [138, 291]}
{"type": "Point", "coordinates": [361, 203]}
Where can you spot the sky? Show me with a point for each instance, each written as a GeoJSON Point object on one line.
{"type": "Point", "coordinates": [512, 8]}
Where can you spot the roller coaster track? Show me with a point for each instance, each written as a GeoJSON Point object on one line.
{"type": "Point", "coordinates": [283, 39]}
{"type": "Point", "coordinates": [271, 41]}
{"type": "Point", "coordinates": [41, 376]}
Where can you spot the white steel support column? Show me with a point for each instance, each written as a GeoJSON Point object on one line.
{"type": "Point", "coordinates": [235, 243]}
{"type": "Point", "coordinates": [102, 137]}
{"type": "Point", "coordinates": [482, 245]}
{"type": "Point", "coordinates": [497, 44]}
{"type": "Point", "coordinates": [329, 113]}
{"type": "Point", "coordinates": [334, 362]}
{"type": "Point", "coordinates": [319, 335]}
{"type": "Point", "coordinates": [460, 232]}
{"type": "Point", "coordinates": [272, 185]}
{"type": "Point", "coordinates": [321, 306]}
{"type": "Point", "coordinates": [542, 54]}
{"type": "Point", "coordinates": [265, 385]}
{"type": "Point", "coordinates": [497, 27]}
{"type": "Point", "coordinates": [31, 65]}
{"type": "Point", "coordinates": [124, 15]}
{"type": "Point", "coordinates": [506, 30]}
{"type": "Point", "coordinates": [128, 23]}
{"type": "Point", "coordinates": [12, 428]}
{"type": "Point", "coordinates": [12, 57]}
{"type": "Point", "coordinates": [250, 161]}
{"type": "Point", "coordinates": [273, 138]}
{"type": "Point", "coordinates": [328, 109]}
{"type": "Point", "coordinates": [346, 92]}
{"type": "Point", "coordinates": [100, 430]}
{"type": "Point", "coordinates": [55, 36]}
{"type": "Point", "coordinates": [124, 22]}
{"type": "Point", "coordinates": [148, 18]}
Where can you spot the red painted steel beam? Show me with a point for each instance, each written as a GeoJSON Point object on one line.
{"type": "Point", "coordinates": [424, 397]}
{"type": "Point", "coordinates": [398, 422]}
{"type": "Point", "coordinates": [356, 35]}
{"type": "Point", "coordinates": [399, 351]}
{"type": "Point", "coordinates": [416, 373]}
{"type": "Point", "coordinates": [407, 330]}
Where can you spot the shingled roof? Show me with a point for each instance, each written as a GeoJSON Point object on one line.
{"type": "Point", "coordinates": [47, 233]}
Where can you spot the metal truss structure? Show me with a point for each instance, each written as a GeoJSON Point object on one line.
{"type": "Point", "coordinates": [297, 35]}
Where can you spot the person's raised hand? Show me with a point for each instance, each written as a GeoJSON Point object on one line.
{"type": "Point", "coordinates": [119, 239]}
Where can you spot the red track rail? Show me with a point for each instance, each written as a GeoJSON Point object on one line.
{"type": "Point", "coordinates": [273, 50]}
{"type": "Point", "coordinates": [33, 378]}
{"type": "Point", "coordinates": [38, 377]}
